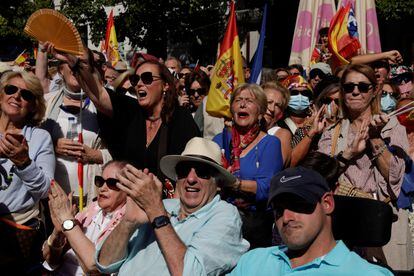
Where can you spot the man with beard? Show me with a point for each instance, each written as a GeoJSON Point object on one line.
{"type": "Point", "coordinates": [303, 205]}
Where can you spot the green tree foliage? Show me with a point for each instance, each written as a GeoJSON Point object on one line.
{"type": "Point", "coordinates": [395, 9]}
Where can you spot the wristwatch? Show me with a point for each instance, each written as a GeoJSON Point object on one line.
{"type": "Point", "coordinates": [342, 159]}
{"type": "Point", "coordinates": [68, 224]}
{"type": "Point", "coordinates": [160, 221]}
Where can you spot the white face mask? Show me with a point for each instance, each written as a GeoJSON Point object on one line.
{"type": "Point", "coordinates": [329, 113]}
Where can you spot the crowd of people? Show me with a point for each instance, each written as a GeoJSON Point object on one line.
{"type": "Point", "coordinates": [118, 168]}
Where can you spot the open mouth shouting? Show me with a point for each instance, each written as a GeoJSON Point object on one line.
{"type": "Point", "coordinates": [142, 94]}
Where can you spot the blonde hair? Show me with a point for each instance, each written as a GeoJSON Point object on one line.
{"type": "Point", "coordinates": [33, 84]}
{"type": "Point", "coordinates": [283, 90]}
{"type": "Point", "coordinates": [257, 91]}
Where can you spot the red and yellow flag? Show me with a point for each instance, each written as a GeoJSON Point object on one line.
{"type": "Point", "coordinates": [228, 71]}
{"type": "Point", "coordinates": [111, 43]}
{"type": "Point", "coordinates": [21, 58]}
{"type": "Point", "coordinates": [343, 35]}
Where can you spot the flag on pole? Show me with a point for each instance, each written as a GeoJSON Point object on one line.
{"type": "Point", "coordinates": [258, 56]}
{"type": "Point", "coordinates": [343, 35]}
{"type": "Point", "coordinates": [312, 16]}
{"type": "Point", "coordinates": [111, 42]}
{"type": "Point", "coordinates": [21, 58]}
{"type": "Point", "coordinates": [228, 71]}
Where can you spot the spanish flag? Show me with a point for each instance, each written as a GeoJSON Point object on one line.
{"type": "Point", "coordinates": [343, 35]}
{"type": "Point", "coordinates": [228, 71]}
{"type": "Point", "coordinates": [111, 43]}
{"type": "Point", "coordinates": [21, 58]}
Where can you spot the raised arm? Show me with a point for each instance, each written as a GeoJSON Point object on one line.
{"type": "Point", "coordinates": [394, 56]}
{"type": "Point", "coordinates": [88, 78]}
{"type": "Point", "coordinates": [41, 67]}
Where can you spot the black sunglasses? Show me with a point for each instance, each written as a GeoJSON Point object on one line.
{"type": "Point", "coordinates": [202, 170]}
{"type": "Point", "coordinates": [395, 95]}
{"type": "Point", "coordinates": [329, 100]}
{"type": "Point", "coordinates": [199, 91]}
{"type": "Point", "coordinates": [146, 78]}
{"type": "Point", "coordinates": [110, 182]}
{"type": "Point", "coordinates": [26, 95]}
{"type": "Point", "coordinates": [402, 77]}
{"type": "Point", "coordinates": [363, 87]}
{"type": "Point", "coordinates": [306, 93]}
{"type": "Point", "coordinates": [183, 75]}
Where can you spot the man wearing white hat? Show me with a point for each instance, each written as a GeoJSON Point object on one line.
{"type": "Point", "coordinates": [197, 234]}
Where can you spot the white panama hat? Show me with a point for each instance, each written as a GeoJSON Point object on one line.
{"type": "Point", "coordinates": [200, 150]}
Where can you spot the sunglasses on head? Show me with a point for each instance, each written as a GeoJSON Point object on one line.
{"type": "Point", "coordinates": [26, 95]}
{"type": "Point", "coordinates": [110, 182]}
{"type": "Point", "coordinates": [306, 93]}
{"type": "Point", "coordinates": [146, 78]}
{"type": "Point", "coordinates": [395, 95]}
{"type": "Point", "coordinates": [329, 100]}
{"type": "Point", "coordinates": [199, 91]}
{"type": "Point", "coordinates": [202, 170]}
{"type": "Point", "coordinates": [363, 87]}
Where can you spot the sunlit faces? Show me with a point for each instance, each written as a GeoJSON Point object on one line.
{"type": "Point", "coordinates": [70, 80]}
{"type": "Point", "coordinates": [299, 223]}
{"type": "Point", "coordinates": [196, 93]}
{"type": "Point", "coordinates": [358, 101]}
{"type": "Point", "coordinates": [110, 199]}
{"type": "Point", "coordinates": [14, 106]}
{"type": "Point", "coordinates": [274, 103]}
{"type": "Point", "coordinates": [149, 95]}
{"type": "Point", "coordinates": [245, 109]}
{"type": "Point", "coordinates": [195, 185]}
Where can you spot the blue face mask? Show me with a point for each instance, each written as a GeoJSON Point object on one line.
{"type": "Point", "coordinates": [388, 103]}
{"type": "Point", "coordinates": [299, 102]}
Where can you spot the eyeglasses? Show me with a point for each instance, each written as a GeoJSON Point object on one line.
{"type": "Point", "coordinates": [183, 75]}
{"type": "Point", "coordinates": [395, 95]}
{"type": "Point", "coordinates": [306, 93]}
{"type": "Point", "coordinates": [26, 95]}
{"type": "Point", "coordinates": [199, 91]}
{"type": "Point", "coordinates": [147, 78]}
{"type": "Point", "coordinates": [363, 87]}
{"type": "Point", "coordinates": [329, 100]}
{"type": "Point", "coordinates": [202, 170]}
{"type": "Point", "coordinates": [110, 182]}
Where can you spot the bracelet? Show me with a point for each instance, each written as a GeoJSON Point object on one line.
{"type": "Point", "coordinates": [342, 159]}
{"type": "Point", "coordinates": [50, 243]}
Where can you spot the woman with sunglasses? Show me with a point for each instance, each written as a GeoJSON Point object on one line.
{"type": "Point", "coordinates": [70, 249]}
{"type": "Point", "coordinates": [141, 130]}
{"type": "Point", "coordinates": [253, 157]}
{"type": "Point", "coordinates": [361, 142]}
{"type": "Point", "coordinates": [197, 85]}
{"type": "Point", "coordinates": [27, 165]}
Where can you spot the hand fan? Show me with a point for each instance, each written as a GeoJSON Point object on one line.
{"type": "Point", "coordinates": [50, 25]}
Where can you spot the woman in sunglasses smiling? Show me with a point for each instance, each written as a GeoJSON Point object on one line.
{"type": "Point", "coordinates": [27, 165]}
{"type": "Point", "coordinates": [139, 132]}
{"type": "Point", "coordinates": [70, 249]}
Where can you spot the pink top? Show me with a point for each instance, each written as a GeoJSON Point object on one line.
{"type": "Point", "coordinates": [364, 173]}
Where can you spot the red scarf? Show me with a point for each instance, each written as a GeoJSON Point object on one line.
{"type": "Point", "coordinates": [238, 145]}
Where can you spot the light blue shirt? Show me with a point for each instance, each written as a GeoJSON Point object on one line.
{"type": "Point", "coordinates": [31, 184]}
{"type": "Point", "coordinates": [212, 236]}
{"type": "Point", "coordinates": [273, 261]}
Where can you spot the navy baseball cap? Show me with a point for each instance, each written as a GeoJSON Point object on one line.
{"type": "Point", "coordinates": [300, 181]}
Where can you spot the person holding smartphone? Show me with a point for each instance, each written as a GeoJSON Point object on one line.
{"type": "Point", "coordinates": [27, 165]}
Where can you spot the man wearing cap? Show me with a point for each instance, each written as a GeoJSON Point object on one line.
{"type": "Point", "coordinates": [303, 204]}
{"type": "Point", "coordinates": [197, 234]}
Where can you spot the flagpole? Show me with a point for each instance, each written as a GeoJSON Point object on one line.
{"type": "Point", "coordinates": [80, 163]}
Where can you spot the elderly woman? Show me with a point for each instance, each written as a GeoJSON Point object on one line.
{"type": "Point", "coordinates": [253, 157]}
{"type": "Point", "coordinates": [141, 130]}
{"type": "Point", "coordinates": [27, 165]}
{"type": "Point", "coordinates": [70, 249]}
{"type": "Point", "coordinates": [277, 101]}
{"type": "Point", "coordinates": [362, 141]}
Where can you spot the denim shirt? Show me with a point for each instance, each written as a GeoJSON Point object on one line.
{"type": "Point", "coordinates": [22, 189]}
{"type": "Point", "coordinates": [212, 236]}
{"type": "Point", "coordinates": [274, 261]}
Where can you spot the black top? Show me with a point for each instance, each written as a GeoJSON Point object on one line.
{"type": "Point", "coordinates": [125, 133]}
